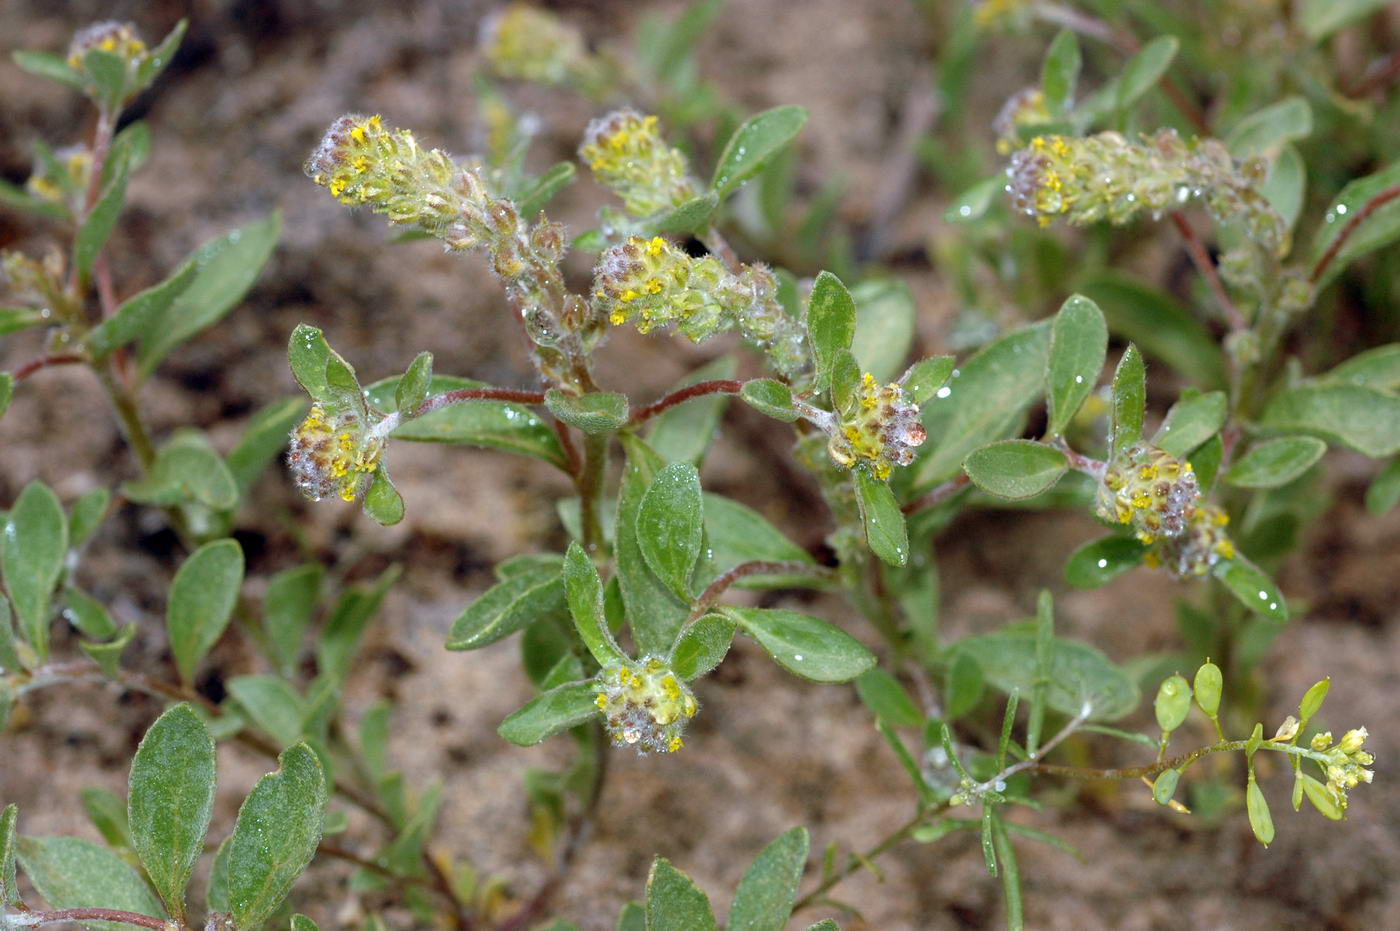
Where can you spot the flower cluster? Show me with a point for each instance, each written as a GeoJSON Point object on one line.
{"type": "Point", "coordinates": [1007, 14]}
{"type": "Point", "coordinates": [1026, 107]}
{"type": "Point", "coordinates": [646, 704]}
{"type": "Point", "coordinates": [1107, 177]}
{"type": "Point", "coordinates": [881, 429]}
{"type": "Point", "coordinates": [1346, 762]}
{"type": "Point", "coordinates": [523, 43]}
{"type": "Point", "coordinates": [121, 39]}
{"type": "Point", "coordinates": [626, 153]}
{"type": "Point", "coordinates": [1150, 489]}
{"type": "Point", "coordinates": [1201, 545]}
{"type": "Point", "coordinates": [333, 454]}
{"type": "Point", "coordinates": [652, 282]}
{"type": "Point", "coordinates": [63, 181]}
{"type": "Point", "coordinates": [34, 282]}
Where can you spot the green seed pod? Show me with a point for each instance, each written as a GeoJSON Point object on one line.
{"type": "Point", "coordinates": [1260, 821]}
{"type": "Point", "coordinates": [1165, 786]}
{"type": "Point", "coordinates": [1173, 703]}
{"type": "Point", "coordinates": [1322, 798]}
{"type": "Point", "coordinates": [1209, 683]}
{"type": "Point", "coordinates": [1297, 791]}
{"type": "Point", "coordinates": [1312, 700]}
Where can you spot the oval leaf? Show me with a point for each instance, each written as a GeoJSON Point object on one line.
{"type": "Point", "coordinates": [1380, 228]}
{"type": "Point", "coordinates": [884, 327]}
{"type": "Point", "coordinates": [771, 397]}
{"type": "Point", "coordinates": [1100, 561]}
{"type": "Point", "coordinates": [73, 873]}
{"type": "Point", "coordinates": [600, 412]}
{"type": "Point", "coordinates": [1191, 421]}
{"type": "Point", "coordinates": [674, 902]}
{"type": "Point", "coordinates": [1276, 462]}
{"type": "Point", "coordinates": [1129, 400]}
{"type": "Point", "coordinates": [702, 646]}
{"type": "Point", "coordinates": [170, 799]}
{"type": "Point", "coordinates": [765, 895]}
{"type": "Point", "coordinates": [35, 543]}
{"type": "Point", "coordinates": [202, 597]}
{"type": "Point", "coordinates": [831, 324]}
{"type": "Point", "coordinates": [1252, 587]}
{"type": "Point", "coordinates": [1078, 342]}
{"type": "Point", "coordinates": [1363, 419]}
{"type": "Point", "coordinates": [806, 646]}
{"type": "Point", "coordinates": [885, 529]}
{"type": "Point", "coordinates": [549, 713]}
{"type": "Point", "coordinates": [670, 526]}
{"type": "Point", "coordinates": [584, 591]}
{"type": "Point", "coordinates": [738, 534]}
{"type": "Point", "coordinates": [759, 138]}
{"type": "Point", "coordinates": [508, 607]}
{"type": "Point", "coordinates": [1015, 468]}
{"type": "Point", "coordinates": [278, 828]}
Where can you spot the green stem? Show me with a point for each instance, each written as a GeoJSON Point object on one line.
{"type": "Point", "coordinates": [127, 415]}
{"type": "Point", "coordinates": [590, 490]}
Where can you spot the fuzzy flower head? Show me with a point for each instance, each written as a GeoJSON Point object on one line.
{"type": "Point", "coordinates": [645, 704]}
{"type": "Point", "coordinates": [1346, 762]}
{"type": "Point", "coordinates": [1107, 177]}
{"type": "Point", "coordinates": [1150, 489]}
{"type": "Point", "coordinates": [881, 429]}
{"type": "Point", "coordinates": [627, 154]}
{"type": "Point", "coordinates": [121, 39]}
{"type": "Point", "coordinates": [524, 43]}
{"type": "Point", "coordinates": [1195, 550]}
{"type": "Point", "coordinates": [653, 283]}
{"type": "Point", "coordinates": [333, 454]}
{"type": "Point", "coordinates": [64, 181]}
{"type": "Point", "coordinates": [1026, 107]}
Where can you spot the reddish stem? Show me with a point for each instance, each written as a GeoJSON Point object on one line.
{"type": "Point", "coordinates": [938, 495]}
{"type": "Point", "coordinates": [1362, 215]}
{"type": "Point", "coordinates": [697, 390]}
{"type": "Point", "coordinates": [1377, 78]}
{"type": "Point", "coordinates": [34, 919]}
{"type": "Point", "coordinates": [1201, 259]}
{"type": "Point", "coordinates": [570, 450]}
{"type": "Point", "coordinates": [29, 368]}
{"type": "Point", "coordinates": [721, 584]}
{"type": "Point", "coordinates": [439, 401]}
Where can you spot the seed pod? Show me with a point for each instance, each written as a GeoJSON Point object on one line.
{"type": "Point", "coordinates": [1322, 798]}
{"type": "Point", "coordinates": [1260, 821]}
{"type": "Point", "coordinates": [1209, 683]}
{"type": "Point", "coordinates": [1173, 703]}
{"type": "Point", "coordinates": [1165, 786]}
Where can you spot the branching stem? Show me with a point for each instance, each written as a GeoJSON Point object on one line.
{"type": "Point", "coordinates": [1362, 215]}
{"type": "Point", "coordinates": [36, 919]}
{"type": "Point", "coordinates": [681, 395]}
{"type": "Point", "coordinates": [720, 585]}
{"type": "Point", "coordinates": [1201, 259]}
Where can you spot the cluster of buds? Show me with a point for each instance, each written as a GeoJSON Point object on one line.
{"type": "Point", "coordinates": [1195, 550]}
{"type": "Point", "coordinates": [1026, 107]}
{"type": "Point", "coordinates": [63, 182]}
{"type": "Point", "coordinates": [524, 43]}
{"type": "Point", "coordinates": [880, 429]}
{"type": "Point", "coordinates": [1007, 14]}
{"type": "Point", "coordinates": [333, 454]}
{"type": "Point", "coordinates": [39, 283]}
{"type": "Point", "coordinates": [1107, 177]}
{"type": "Point", "coordinates": [121, 39]}
{"type": "Point", "coordinates": [646, 705]}
{"type": "Point", "coordinates": [1150, 489]}
{"type": "Point", "coordinates": [1346, 762]}
{"type": "Point", "coordinates": [627, 154]}
{"type": "Point", "coordinates": [652, 283]}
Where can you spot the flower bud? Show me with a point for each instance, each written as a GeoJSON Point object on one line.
{"type": "Point", "coordinates": [645, 704]}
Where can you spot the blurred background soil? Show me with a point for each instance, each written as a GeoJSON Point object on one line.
{"type": "Point", "coordinates": [249, 95]}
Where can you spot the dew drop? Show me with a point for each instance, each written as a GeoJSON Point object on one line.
{"type": "Point", "coordinates": [1079, 379]}
{"type": "Point", "coordinates": [1263, 595]}
{"type": "Point", "coordinates": [1341, 210]}
{"type": "Point", "coordinates": [964, 211]}
{"type": "Point", "coordinates": [1000, 785]}
{"type": "Point", "coordinates": [1103, 563]}
{"type": "Point", "coordinates": [797, 657]}
{"type": "Point", "coordinates": [1273, 606]}
{"type": "Point", "coordinates": [943, 392]}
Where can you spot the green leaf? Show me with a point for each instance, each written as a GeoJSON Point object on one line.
{"type": "Point", "coordinates": [1275, 462]}
{"type": "Point", "coordinates": [170, 799]}
{"type": "Point", "coordinates": [1384, 490]}
{"type": "Point", "coordinates": [1252, 587]}
{"type": "Point", "coordinates": [1260, 821]}
{"type": "Point", "coordinates": [771, 397]}
{"type": "Point", "coordinates": [1159, 325]}
{"type": "Point", "coordinates": [272, 705]}
{"type": "Point", "coordinates": [1060, 73]}
{"type": "Point", "coordinates": [275, 837]}
{"type": "Point", "coordinates": [632, 918]}
{"type": "Point", "coordinates": [412, 389]}
{"type": "Point", "coordinates": [1015, 468]}
{"type": "Point", "coordinates": [1129, 400]}
{"type": "Point", "coordinates": [1080, 673]}
{"type": "Point", "coordinates": [653, 613]}
{"type": "Point", "coordinates": [963, 686]}
{"type": "Point", "coordinates": [508, 607]}
{"type": "Point", "coordinates": [73, 873]}
{"type": "Point", "coordinates": [885, 530]}
{"type": "Point", "coordinates": [1266, 131]}
{"type": "Point", "coordinates": [984, 401]}
{"type": "Point", "coordinates": [831, 324]}
{"type": "Point", "coordinates": [336, 645]}
{"type": "Point", "coordinates": [754, 143]}
{"type": "Point", "coordinates": [100, 221]}
{"type": "Point", "coordinates": [1206, 460]}
{"type": "Point", "coordinates": [9, 888]}
{"type": "Point", "coordinates": [1362, 419]}
{"type": "Point", "coordinates": [263, 439]}
{"type": "Point", "coordinates": [217, 895]}
{"type": "Point", "coordinates": [684, 432]}
{"type": "Point", "coordinates": [549, 713]}
{"type": "Point", "coordinates": [1191, 421]}
{"type": "Point", "coordinates": [1321, 18]}
{"type": "Point", "coordinates": [1099, 562]}
{"type": "Point", "coordinates": [1078, 342]}
{"type": "Point", "coordinates": [186, 470]}
{"type": "Point", "coordinates": [765, 895]}
{"type": "Point", "coordinates": [108, 73]}
{"type": "Point", "coordinates": [287, 608]}
{"type": "Point", "coordinates": [805, 646]}
{"type": "Point", "coordinates": [159, 57]}
{"type": "Point", "coordinates": [674, 902]}
{"type": "Point", "coordinates": [600, 412]}
{"type": "Point", "coordinates": [202, 597]}
{"type": "Point", "coordinates": [88, 615]}
{"type": "Point", "coordinates": [688, 218]}
{"type": "Point", "coordinates": [307, 355]}
{"type": "Point", "coordinates": [493, 424]}
{"type": "Point", "coordinates": [670, 50]}
{"type": "Point", "coordinates": [1379, 229]}
{"type": "Point", "coordinates": [86, 514]}
{"type": "Point", "coordinates": [302, 923]}
{"type": "Point", "coordinates": [670, 526]}
{"type": "Point", "coordinates": [533, 200]}
{"type": "Point", "coordinates": [1285, 185]}
{"type": "Point", "coordinates": [108, 655]}
{"type": "Point", "coordinates": [702, 646]}
{"type": "Point", "coordinates": [1010, 875]}
{"type": "Point", "coordinates": [584, 591]}
{"type": "Point", "coordinates": [1377, 368]}
{"type": "Point", "coordinates": [35, 543]}
{"type": "Point", "coordinates": [973, 203]}
{"type": "Point", "coordinates": [885, 315]}
{"type": "Point", "coordinates": [9, 656]}
{"type": "Point", "coordinates": [923, 379]}
{"type": "Point", "coordinates": [845, 382]}
{"type": "Point", "coordinates": [227, 267]}
{"type": "Point", "coordinates": [50, 66]}
{"type": "Point", "coordinates": [1145, 69]}
{"type": "Point", "coordinates": [887, 699]}
{"type": "Point", "coordinates": [738, 534]}
{"type": "Point", "coordinates": [383, 503]}
{"type": "Point", "coordinates": [134, 317]}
